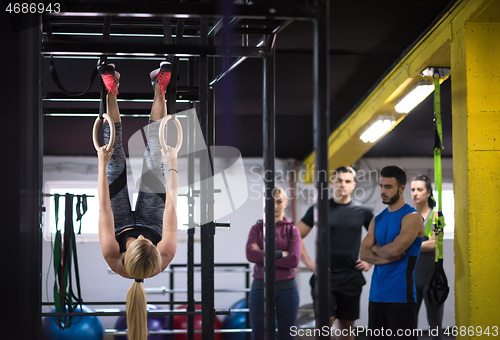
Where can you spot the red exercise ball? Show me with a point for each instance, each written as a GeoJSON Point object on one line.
{"type": "Point", "coordinates": [180, 322]}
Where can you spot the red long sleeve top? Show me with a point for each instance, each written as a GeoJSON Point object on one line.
{"type": "Point", "coordinates": [287, 239]}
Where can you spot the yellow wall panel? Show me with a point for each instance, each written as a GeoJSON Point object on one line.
{"type": "Point", "coordinates": [476, 173]}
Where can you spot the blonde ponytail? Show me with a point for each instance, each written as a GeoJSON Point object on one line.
{"type": "Point", "coordinates": [137, 313]}
{"type": "Point", "coordinates": [141, 260]}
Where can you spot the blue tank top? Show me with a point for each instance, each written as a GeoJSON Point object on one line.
{"type": "Point", "coordinates": [394, 282]}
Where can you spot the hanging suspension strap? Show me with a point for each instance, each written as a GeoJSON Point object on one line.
{"type": "Point", "coordinates": [438, 286]}
{"type": "Point", "coordinates": [172, 87]}
{"type": "Point", "coordinates": [55, 75]}
{"type": "Point", "coordinates": [81, 209]}
{"type": "Point", "coordinates": [167, 39]}
{"type": "Point", "coordinates": [58, 280]}
{"type": "Point", "coordinates": [103, 60]}
{"type": "Point", "coordinates": [65, 300]}
{"type": "Point", "coordinates": [428, 226]}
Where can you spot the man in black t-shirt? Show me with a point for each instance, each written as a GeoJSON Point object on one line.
{"type": "Point", "coordinates": [346, 219]}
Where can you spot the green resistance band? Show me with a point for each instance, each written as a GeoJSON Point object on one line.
{"type": "Point", "coordinates": [63, 299]}
{"type": "Point", "coordinates": [438, 222]}
{"type": "Point", "coordinates": [57, 262]}
{"type": "Point", "coordinates": [428, 230]}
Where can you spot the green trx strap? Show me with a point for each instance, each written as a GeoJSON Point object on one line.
{"type": "Point", "coordinates": [64, 251]}
{"type": "Point", "coordinates": [438, 286]}
{"type": "Point", "coordinates": [438, 175]}
{"type": "Point", "coordinates": [428, 230]}
{"type": "Point", "coordinates": [57, 255]}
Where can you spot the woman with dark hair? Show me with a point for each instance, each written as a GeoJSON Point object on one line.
{"type": "Point", "coordinates": [421, 194]}
{"type": "Point", "coordinates": [137, 244]}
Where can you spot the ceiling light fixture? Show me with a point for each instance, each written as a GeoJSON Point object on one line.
{"type": "Point", "coordinates": [414, 97]}
{"type": "Point", "coordinates": [377, 129]}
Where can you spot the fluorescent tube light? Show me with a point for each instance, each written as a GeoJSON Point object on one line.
{"type": "Point", "coordinates": [412, 99]}
{"type": "Point", "coordinates": [377, 129]}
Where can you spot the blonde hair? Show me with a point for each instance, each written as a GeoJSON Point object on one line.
{"type": "Point", "coordinates": [141, 260]}
{"type": "Point", "coordinates": [278, 190]}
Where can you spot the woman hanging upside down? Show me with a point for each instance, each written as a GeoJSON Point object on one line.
{"type": "Point", "coordinates": [137, 244]}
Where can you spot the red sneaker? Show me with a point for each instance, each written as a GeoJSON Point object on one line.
{"type": "Point", "coordinates": [161, 76]}
{"type": "Point", "coordinates": [110, 78]}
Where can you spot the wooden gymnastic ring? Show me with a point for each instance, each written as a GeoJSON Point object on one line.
{"type": "Point", "coordinates": [163, 138]}
{"type": "Point", "coordinates": [112, 132]}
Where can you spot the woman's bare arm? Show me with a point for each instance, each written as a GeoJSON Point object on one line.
{"type": "Point", "coordinates": [168, 244]}
{"type": "Point", "coordinates": [109, 246]}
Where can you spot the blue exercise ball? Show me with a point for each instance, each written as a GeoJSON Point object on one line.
{"type": "Point", "coordinates": [236, 320]}
{"type": "Point", "coordinates": [82, 327]}
{"type": "Point", "coordinates": [155, 323]}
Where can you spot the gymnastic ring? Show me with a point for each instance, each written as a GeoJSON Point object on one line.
{"type": "Point", "coordinates": [112, 133]}
{"type": "Point", "coordinates": [163, 138]}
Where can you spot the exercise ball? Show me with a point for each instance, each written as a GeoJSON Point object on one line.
{"type": "Point", "coordinates": [155, 323]}
{"type": "Point", "coordinates": [236, 320]}
{"type": "Point", "coordinates": [82, 328]}
{"type": "Point", "coordinates": [180, 322]}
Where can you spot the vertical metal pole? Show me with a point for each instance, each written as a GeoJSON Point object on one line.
{"type": "Point", "coordinates": [167, 40]}
{"type": "Point", "coordinates": [36, 183]}
{"type": "Point", "coordinates": [171, 295]}
{"type": "Point", "coordinates": [247, 294]}
{"type": "Point", "coordinates": [191, 140]}
{"type": "Point", "coordinates": [22, 180]}
{"type": "Point", "coordinates": [210, 251]}
{"type": "Point", "coordinates": [244, 37]}
{"type": "Point", "coordinates": [206, 195]}
{"type": "Point", "coordinates": [321, 132]}
{"type": "Point", "coordinates": [269, 232]}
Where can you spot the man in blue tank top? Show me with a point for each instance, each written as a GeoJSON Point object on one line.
{"type": "Point", "coordinates": [392, 244]}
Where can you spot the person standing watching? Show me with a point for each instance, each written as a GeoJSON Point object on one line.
{"type": "Point", "coordinates": [346, 220]}
{"type": "Point", "coordinates": [392, 244]}
{"type": "Point", "coordinates": [421, 194]}
{"type": "Point", "coordinates": [287, 259]}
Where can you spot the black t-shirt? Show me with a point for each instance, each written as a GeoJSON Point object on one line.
{"type": "Point", "coordinates": [345, 222]}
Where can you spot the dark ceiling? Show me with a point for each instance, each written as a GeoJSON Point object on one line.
{"type": "Point", "coordinates": [366, 39]}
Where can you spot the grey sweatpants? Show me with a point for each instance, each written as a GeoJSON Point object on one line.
{"type": "Point", "coordinates": [151, 199]}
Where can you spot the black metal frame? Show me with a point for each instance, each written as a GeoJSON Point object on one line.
{"type": "Point", "coordinates": [268, 124]}
{"type": "Point", "coordinates": [22, 173]}
{"type": "Point", "coordinates": [191, 224]}
{"type": "Point", "coordinates": [205, 51]}
{"type": "Point", "coordinates": [321, 133]}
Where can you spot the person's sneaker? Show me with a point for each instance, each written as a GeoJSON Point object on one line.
{"type": "Point", "coordinates": [161, 76]}
{"type": "Point", "coordinates": [110, 78]}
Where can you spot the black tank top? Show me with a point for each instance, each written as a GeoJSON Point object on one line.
{"type": "Point", "coordinates": [136, 232]}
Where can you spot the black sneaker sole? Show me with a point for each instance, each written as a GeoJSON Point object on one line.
{"type": "Point", "coordinates": [108, 69]}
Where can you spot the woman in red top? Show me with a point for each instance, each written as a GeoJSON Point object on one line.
{"type": "Point", "coordinates": [287, 259]}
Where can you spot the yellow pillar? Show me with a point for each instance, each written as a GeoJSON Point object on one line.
{"type": "Point", "coordinates": [475, 61]}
